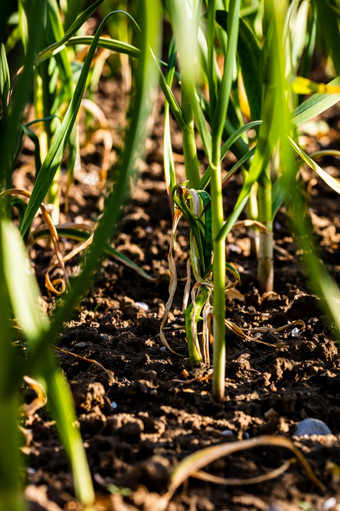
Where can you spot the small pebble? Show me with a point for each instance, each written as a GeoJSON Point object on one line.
{"type": "Point", "coordinates": [313, 128]}
{"type": "Point", "coordinates": [275, 507]}
{"type": "Point", "coordinates": [311, 427]}
{"type": "Point", "coordinates": [163, 348]}
{"type": "Point", "coordinates": [234, 248]}
{"type": "Point", "coordinates": [80, 345]}
{"type": "Point", "coordinates": [90, 179]}
{"type": "Point", "coordinates": [329, 504]}
{"type": "Point", "coordinates": [142, 305]}
{"type": "Point", "coordinates": [227, 432]}
{"type": "Point", "coordinates": [295, 332]}
{"type": "Point", "coordinates": [271, 414]}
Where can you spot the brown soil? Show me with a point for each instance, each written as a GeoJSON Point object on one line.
{"type": "Point", "coordinates": [139, 425]}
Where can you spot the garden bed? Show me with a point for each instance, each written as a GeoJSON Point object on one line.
{"type": "Point", "coordinates": [152, 409]}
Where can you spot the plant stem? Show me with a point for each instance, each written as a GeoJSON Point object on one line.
{"type": "Point", "coordinates": [191, 324]}
{"type": "Point", "coordinates": [189, 142]}
{"type": "Point", "coordinates": [265, 272]}
{"type": "Point", "coordinates": [220, 103]}
{"type": "Point", "coordinates": [190, 158]}
{"type": "Point", "coordinates": [219, 278]}
{"type": "Point", "coordinates": [253, 214]}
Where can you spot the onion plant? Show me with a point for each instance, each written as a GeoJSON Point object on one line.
{"type": "Point", "coordinates": [19, 293]}
{"type": "Point", "coordinates": [219, 44]}
{"type": "Point", "coordinates": [268, 60]}
{"type": "Point", "coordinates": [211, 116]}
{"type": "Point", "coordinates": [53, 90]}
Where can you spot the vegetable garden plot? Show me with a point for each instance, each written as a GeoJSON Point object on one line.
{"type": "Point", "coordinates": [138, 427]}
{"type": "Point", "coordinates": [274, 338]}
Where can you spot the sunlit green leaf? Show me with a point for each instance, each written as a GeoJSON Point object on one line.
{"type": "Point", "coordinates": [249, 54]}
{"type": "Point", "coordinates": [331, 181]}
{"type": "Point", "coordinates": [22, 286]}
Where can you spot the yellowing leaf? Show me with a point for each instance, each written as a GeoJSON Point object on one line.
{"type": "Point", "coordinates": [303, 85]}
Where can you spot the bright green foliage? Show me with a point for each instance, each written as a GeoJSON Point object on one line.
{"type": "Point", "coordinates": [18, 286]}
{"type": "Point", "coordinates": [4, 80]}
{"type": "Point", "coordinates": [23, 295]}
{"type": "Point", "coordinates": [10, 494]}
{"type": "Point", "coordinates": [219, 45]}
{"type": "Point", "coordinates": [268, 59]}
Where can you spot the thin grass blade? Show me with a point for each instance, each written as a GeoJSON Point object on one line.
{"type": "Point", "coordinates": [168, 159]}
{"type": "Point", "coordinates": [331, 181]}
{"type": "Point", "coordinates": [107, 43]}
{"type": "Point", "coordinates": [76, 233]}
{"type": "Point", "coordinates": [10, 481]}
{"type": "Point", "coordinates": [61, 406]}
{"type": "Point", "coordinates": [22, 286]}
{"type": "Point", "coordinates": [249, 55]}
{"type": "Point", "coordinates": [76, 25]}
{"type": "Point", "coordinates": [220, 112]}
